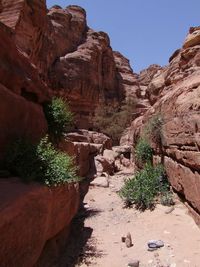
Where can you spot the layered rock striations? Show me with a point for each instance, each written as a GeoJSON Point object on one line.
{"type": "Point", "coordinates": [46, 53]}
{"type": "Point", "coordinates": [174, 93]}
{"type": "Point", "coordinates": [22, 93]}
{"type": "Point", "coordinates": [75, 61]}
{"type": "Point", "coordinates": [32, 215]}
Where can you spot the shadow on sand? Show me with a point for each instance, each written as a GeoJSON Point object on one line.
{"type": "Point", "coordinates": [81, 247]}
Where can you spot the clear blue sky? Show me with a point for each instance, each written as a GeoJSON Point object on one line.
{"type": "Point", "coordinates": [145, 31]}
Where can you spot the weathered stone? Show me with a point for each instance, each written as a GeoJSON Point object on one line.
{"type": "Point", "coordinates": [134, 263]}
{"type": "Point", "coordinates": [30, 216]}
{"type": "Point", "coordinates": [19, 118]}
{"type": "Point", "coordinates": [128, 240]}
{"type": "Point", "coordinates": [100, 181]}
{"type": "Point", "coordinates": [193, 37]}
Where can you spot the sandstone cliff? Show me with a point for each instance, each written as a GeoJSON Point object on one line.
{"type": "Point", "coordinates": [174, 93]}
{"type": "Point", "coordinates": [73, 60]}
{"type": "Point", "coordinates": [46, 53]}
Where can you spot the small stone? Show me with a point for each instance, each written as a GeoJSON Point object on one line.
{"type": "Point", "coordinates": [86, 206]}
{"type": "Point", "coordinates": [100, 181]}
{"type": "Point", "coordinates": [169, 210]}
{"type": "Point", "coordinates": [128, 240]}
{"type": "Point", "coordinates": [155, 243]}
{"type": "Point", "coordinates": [134, 263]}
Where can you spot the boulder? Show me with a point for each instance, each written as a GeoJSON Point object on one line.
{"type": "Point", "coordinates": [100, 182]}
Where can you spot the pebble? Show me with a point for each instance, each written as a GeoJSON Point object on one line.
{"type": "Point", "coordinates": [169, 210]}
{"type": "Point", "coordinates": [128, 240]}
{"type": "Point", "coordinates": [134, 263]}
{"type": "Point", "coordinates": [155, 243]}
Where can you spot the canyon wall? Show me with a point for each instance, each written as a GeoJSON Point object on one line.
{"type": "Point", "coordinates": [46, 53]}
{"type": "Point", "coordinates": [32, 215]}
{"type": "Point", "coordinates": [74, 61]}
{"type": "Point", "coordinates": [174, 93]}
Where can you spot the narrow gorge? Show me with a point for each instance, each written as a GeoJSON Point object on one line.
{"type": "Point", "coordinates": [49, 54]}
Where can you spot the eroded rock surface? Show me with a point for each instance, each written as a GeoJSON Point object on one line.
{"type": "Point", "coordinates": [30, 216]}
{"type": "Point", "coordinates": [174, 93]}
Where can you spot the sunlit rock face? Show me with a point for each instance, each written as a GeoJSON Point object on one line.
{"type": "Point", "coordinates": [174, 93]}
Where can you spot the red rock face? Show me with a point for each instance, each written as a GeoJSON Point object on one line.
{"type": "Point", "coordinates": [21, 92]}
{"type": "Point", "coordinates": [75, 61]}
{"type": "Point", "coordinates": [174, 93]}
{"type": "Point", "coordinates": [30, 216]}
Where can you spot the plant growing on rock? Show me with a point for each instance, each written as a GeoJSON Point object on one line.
{"type": "Point", "coordinates": [41, 162]}
{"type": "Point", "coordinates": [153, 129]}
{"type": "Point", "coordinates": [143, 188]}
{"type": "Point", "coordinates": [59, 117]}
{"type": "Point", "coordinates": [113, 120]}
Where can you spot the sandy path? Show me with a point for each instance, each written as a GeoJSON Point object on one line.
{"type": "Point", "coordinates": [108, 222]}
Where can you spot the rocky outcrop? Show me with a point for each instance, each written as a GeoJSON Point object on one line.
{"type": "Point", "coordinates": [22, 93]}
{"type": "Point", "coordinates": [87, 74]}
{"type": "Point", "coordinates": [76, 62]}
{"type": "Point", "coordinates": [193, 38]}
{"type": "Point", "coordinates": [30, 216]}
{"type": "Point", "coordinates": [83, 146]}
{"type": "Point", "coordinates": [174, 93]}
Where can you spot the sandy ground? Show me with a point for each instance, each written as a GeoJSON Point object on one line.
{"type": "Point", "coordinates": [105, 221]}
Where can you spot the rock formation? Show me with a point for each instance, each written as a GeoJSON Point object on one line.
{"type": "Point", "coordinates": [174, 93]}
{"type": "Point", "coordinates": [76, 62]}
{"type": "Point", "coordinates": [46, 53]}
{"type": "Point", "coordinates": [30, 216]}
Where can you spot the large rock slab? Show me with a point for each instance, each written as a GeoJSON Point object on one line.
{"type": "Point", "coordinates": [30, 216]}
{"type": "Point", "coordinates": [19, 118]}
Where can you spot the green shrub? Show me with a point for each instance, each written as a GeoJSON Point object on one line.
{"type": "Point", "coordinates": [142, 189]}
{"type": "Point", "coordinates": [143, 151]}
{"type": "Point", "coordinates": [59, 117]}
{"type": "Point", "coordinates": [40, 162]}
{"type": "Point", "coordinates": [56, 166]}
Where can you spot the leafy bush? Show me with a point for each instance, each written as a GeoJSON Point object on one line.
{"type": "Point", "coordinates": [143, 151]}
{"type": "Point", "coordinates": [40, 163]}
{"type": "Point", "coordinates": [142, 189]}
{"type": "Point", "coordinates": [21, 160]}
{"type": "Point", "coordinates": [112, 120]}
{"type": "Point", "coordinates": [58, 116]}
{"type": "Point", "coordinates": [56, 166]}
{"type": "Point", "coordinates": [153, 129]}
